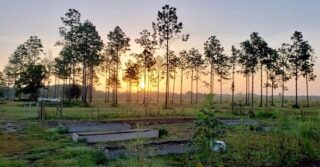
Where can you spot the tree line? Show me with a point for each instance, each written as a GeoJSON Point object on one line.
{"type": "Point", "coordinates": [84, 55]}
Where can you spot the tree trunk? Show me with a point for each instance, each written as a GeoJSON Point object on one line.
{"type": "Point", "coordinates": [158, 94]}
{"type": "Point", "coordinates": [191, 86]}
{"type": "Point", "coordinates": [173, 86]}
{"type": "Point", "coordinates": [261, 86]}
{"type": "Point", "coordinates": [282, 94]}
{"type": "Point", "coordinates": [296, 79]}
{"type": "Point", "coordinates": [246, 100]}
{"type": "Point", "coordinates": [167, 69]}
{"type": "Point", "coordinates": [106, 86]}
{"type": "Point", "coordinates": [220, 89]}
{"type": "Point", "coordinates": [117, 76]}
{"type": "Point", "coordinates": [84, 82]}
{"type": "Point", "coordinates": [267, 85]}
{"type": "Point", "coordinates": [55, 87]}
{"type": "Point", "coordinates": [144, 84]}
{"type": "Point", "coordinates": [114, 86]}
{"type": "Point", "coordinates": [307, 88]}
{"type": "Point", "coordinates": [252, 89]}
{"type": "Point", "coordinates": [272, 87]}
{"type": "Point", "coordinates": [232, 88]}
{"type": "Point", "coordinates": [197, 79]}
{"type": "Point", "coordinates": [91, 84]}
{"type": "Point", "coordinates": [181, 86]}
{"type": "Point", "coordinates": [69, 88]}
{"type": "Point", "coordinates": [137, 95]}
{"type": "Point", "coordinates": [108, 83]}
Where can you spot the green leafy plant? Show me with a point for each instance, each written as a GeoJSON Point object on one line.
{"type": "Point", "coordinates": [206, 131]}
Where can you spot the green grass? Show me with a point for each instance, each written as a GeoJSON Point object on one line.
{"type": "Point", "coordinates": [39, 144]}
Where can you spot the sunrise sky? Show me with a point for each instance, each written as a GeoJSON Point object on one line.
{"type": "Point", "coordinates": [230, 20]}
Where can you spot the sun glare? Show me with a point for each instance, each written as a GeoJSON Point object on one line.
{"type": "Point", "coordinates": [142, 85]}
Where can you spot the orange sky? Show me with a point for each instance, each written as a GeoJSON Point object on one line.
{"type": "Point", "coordinates": [230, 20]}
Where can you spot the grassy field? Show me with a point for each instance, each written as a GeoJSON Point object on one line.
{"type": "Point", "coordinates": [294, 139]}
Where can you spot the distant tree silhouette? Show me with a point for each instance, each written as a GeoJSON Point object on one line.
{"type": "Point", "coordinates": [300, 52]}
{"type": "Point", "coordinates": [183, 65]}
{"type": "Point", "coordinates": [62, 70]}
{"type": "Point", "coordinates": [284, 69]}
{"type": "Point", "coordinates": [307, 70]}
{"type": "Point", "coordinates": [272, 69]}
{"type": "Point", "coordinates": [196, 64]}
{"type": "Point", "coordinates": [174, 61]}
{"type": "Point", "coordinates": [131, 75]}
{"type": "Point", "coordinates": [233, 60]}
{"type": "Point", "coordinates": [2, 84]}
{"type": "Point", "coordinates": [107, 58]}
{"type": "Point", "coordinates": [245, 70]}
{"type": "Point", "coordinates": [159, 67]}
{"type": "Point", "coordinates": [31, 80]}
{"type": "Point", "coordinates": [250, 60]}
{"type": "Point", "coordinates": [148, 42]}
{"type": "Point", "coordinates": [212, 50]}
{"type": "Point", "coordinates": [222, 70]}
{"type": "Point", "coordinates": [28, 53]}
{"type": "Point", "coordinates": [168, 28]}
{"type": "Point", "coordinates": [119, 44]}
{"type": "Point", "coordinates": [91, 46]}
{"type": "Point", "coordinates": [260, 50]}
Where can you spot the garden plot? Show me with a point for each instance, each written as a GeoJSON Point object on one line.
{"type": "Point", "coordinates": [95, 127]}
{"type": "Point", "coordinates": [236, 122]}
{"type": "Point", "coordinates": [9, 127]}
{"type": "Point", "coordinates": [150, 149]}
{"type": "Point", "coordinates": [107, 136]}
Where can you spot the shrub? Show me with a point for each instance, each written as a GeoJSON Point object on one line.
{"type": "Point", "coordinates": [62, 129]}
{"type": "Point", "coordinates": [163, 132]}
{"type": "Point", "coordinates": [266, 114]}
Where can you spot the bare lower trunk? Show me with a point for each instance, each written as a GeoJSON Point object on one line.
{"type": "Point", "coordinates": [158, 86]}
{"type": "Point", "coordinates": [307, 88]}
{"type": "Point", "coordinates": [181, 86]}
{"type": "Point", "coordinates": [144, 83]}
{"type": "Point", "coordinates": [55, 87]}
{"type": "Point", "coordinates": [84, 84]}
{"type": "Point", "coordinates": [252, 89]}
{"type": "Point", "coordinates": [167, 70]}
{"type": "Point", "coordinates": [296, 79]}
{"type": "Point", "coordinates": [282, 94]}
{"type": "Point", "coordinates": [261, 86]}
{"type": "Point", "coordinates": [197, 79]}
{"type": "Point", "coordinates": [267, 85]}
{"type": "Point", "coordinates": [272, 87]}
{"type": "Point", "coordinates": [173, 86]}
{"type": "Point", "coordinates": [232, 88]}
{"type": "Point", "coordinates": [246, 101]}
{"type": "Point", "coordinates": [137, 95]}
{"type": "Point", "coordinates": [191, 86]}
{"type": "Point", "coordinates": [116, 91]}
{"type": "Point", "coordinates": [91, 84]}
{"type": "Point", "coordinates": [220, 89]}
{"type": "Point", "coordinates": [106, 87]}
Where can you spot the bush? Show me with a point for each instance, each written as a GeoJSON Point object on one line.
{"type": "Point", "coordinates": [62, 129]}
{"type": "Point", "coordinates": [310, 130]}
{"type": "Point", "coordinates": [163, 132]}
{"type": "Point", "coordinates": [266, 114]}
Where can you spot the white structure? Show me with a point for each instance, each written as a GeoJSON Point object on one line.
{"type": "Point", "coordinates": [218, 146]}
{"type": "Point", "coordinates": [41, 106]}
